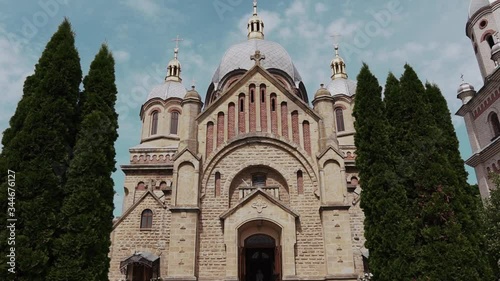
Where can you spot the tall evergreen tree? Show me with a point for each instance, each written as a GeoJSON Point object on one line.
{"type": "Point", "coordinates": [388, 227]}
{"type": "Point", "coordinates": [38, 147]}
{"type": "Point", "coordinates": [492, 222]}
{"type": "Point", "coordinates": [467, 203]}
{"type": "Point", "coordinates": [88, 205]}
{"type": "Point", "coordinates": [443, 248]}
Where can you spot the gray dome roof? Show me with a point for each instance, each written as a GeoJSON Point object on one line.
{"type": "Point", "coordinates": [465, 87]}
{"type": "Point", "coordinates": [339, 86]}
{"type": "Point", "coordinates": [475, 5]}
{"type": "Point", "coordinates": [238, 57]}
{"type": "Point", "coordinates": [169, 89]}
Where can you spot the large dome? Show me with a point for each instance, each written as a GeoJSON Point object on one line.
{"type": "Point", "coordinates": [342, 86]}
{"type": "Point", "coordinates": [169, 89]}
{"type": "Point", "coordinates": [238, 57]}
{"type": "Point", "coordinates": [476, 5]}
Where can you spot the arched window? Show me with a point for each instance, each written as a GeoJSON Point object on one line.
{"type": "Point", "coordinates": [147, 219]}
{"type": "Point", "coordinates": [210, 137]}
{"type": "Point", "coordinates": [490, 40]}
{"type": "Point", "coordinates": [306, 131]}
{"type": "Point", "coordinates": [174, 122]}
{"type": "Point", "coordinates": [495, 124]}
{"type": "Point", "coordinates": [339, 116]}
{"type": "Point", "coordinates": [300, 182]}
{"type": "Point", "coordinates": [154, 123]}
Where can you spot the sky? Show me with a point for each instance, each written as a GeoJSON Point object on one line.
{"type": "Point", "coordinates": [386, 34]}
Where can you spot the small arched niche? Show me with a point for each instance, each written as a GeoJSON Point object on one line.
{"type": "Point", "coordinates": [253, 177]}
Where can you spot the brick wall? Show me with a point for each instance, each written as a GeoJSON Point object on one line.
{"type": "Point", "coordinates": [129, 238]}
{"type": "Point", "coordinates": [310, 251]}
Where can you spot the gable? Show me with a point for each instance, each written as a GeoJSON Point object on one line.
{"type": "Point", "coordinates": [154, 200]}
{"type": "Point", "coordinates": [256, 202]}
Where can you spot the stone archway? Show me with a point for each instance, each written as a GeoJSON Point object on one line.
{"type": "Point", "coordinates": [260, 213]}
{"type": "Point", "coordinates": [259, 251]}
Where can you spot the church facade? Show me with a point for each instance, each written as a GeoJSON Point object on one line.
{"type": "Point", "coordinates": [481, 109]}
{"type": "Point", "coordinates": [253, 183]}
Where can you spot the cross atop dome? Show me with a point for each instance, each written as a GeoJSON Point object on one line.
{"type": "Point", "coordinates": [255, 25]}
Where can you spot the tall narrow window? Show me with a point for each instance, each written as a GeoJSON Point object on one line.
{"type": "Point", "coordinates": [300, 182]}
{"type": "Point", "coordinates": [339, 116]}
{"type": "Point", "coordinates": [306, 136]}
{"type": "Point", "coordinates": [217, 184]}
{"type": "Point", "coordinates": [220, 128]}
{"type": "Point", "coordinates": [230, 120]}
{"type": "Point", "coordinates": [210, 137]}
{"type": "Point", "coordinates": [284, 119]}
{"type": "Point", "coordinates": [263, 109]}
{"type": "Point", "coordinates": [295, 127]}
{"type": "Point", "coordinates": [154, 123]}
{"type": "Point", "coordinates": [241, 114]}
{"type": "Point", "coordinates": [146, 219]}
{"type": "Point", "coordinates": [495, 125]}
{"type": "Point", "coordinates": [174, 122]}
{"type": "Point", "coordinates": [490, 40]}
{"type": "Point", "coordinates": [274, 114]}
{"type": "Point", "coordinates": [251, 110]}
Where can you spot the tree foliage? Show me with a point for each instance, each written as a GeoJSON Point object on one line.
{"type": "Point", "coordinates": [383, 198]}
{"type": "Point", "coordinates": [61, 147]}
{"type": "Point", "coordinates": [430, 185]}
{"type": "Point", "coordinates": [38, 147]}
{"type": "Point", "coordinates": [88, 205]}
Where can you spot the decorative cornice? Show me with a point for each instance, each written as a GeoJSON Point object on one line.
{"type": "Point", "coordinates": [485, 154]}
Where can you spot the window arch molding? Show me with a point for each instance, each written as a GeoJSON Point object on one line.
{"type": "Point", "coordinates": [174, 121]}
{"type": "Point", "coordinates": [146, 219]}
{"type": "Point", "coordinates": [155, 116]}
{"type": "Point", "coordinates": [494, 124]}
{"type": "Point", "coordinates": [339, 118]}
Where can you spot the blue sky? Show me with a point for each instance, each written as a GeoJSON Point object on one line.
{"type": "Point", "coordinates": [428, 34]}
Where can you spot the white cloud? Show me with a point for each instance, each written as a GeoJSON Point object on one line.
{"type": "Point", "coordinates": [121, 55]}
{"type": "Point", "coordinates": [147, 7]}
{"type": "Point", "coordinates": [14, 67]}
{"type": "Point", "coordinates": [344, 27]}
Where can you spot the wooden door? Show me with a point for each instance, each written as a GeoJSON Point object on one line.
{"type": "Point", "coordinates": [242, 263]}
{"type": "Point", "coordinates": [277, 263]}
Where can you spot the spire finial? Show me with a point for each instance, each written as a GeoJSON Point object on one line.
{"type": "Point", "coordinates": [176, 50]}
{"type": "Point", "coordinates": [462, 77]}
{"type": "Point", "coordinates": [338, 64]}
{"type": "Point", "coordinates": [255, 25]}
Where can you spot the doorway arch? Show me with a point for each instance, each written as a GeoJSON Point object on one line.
{"type": "Point", "coordinates": [260, 251]}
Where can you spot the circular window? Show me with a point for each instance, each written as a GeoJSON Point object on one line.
{"type": "Point", "coordinates": [483, 24]}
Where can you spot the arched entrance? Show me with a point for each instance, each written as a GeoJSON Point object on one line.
{"type": "Point", "coordinates": [260, 252]}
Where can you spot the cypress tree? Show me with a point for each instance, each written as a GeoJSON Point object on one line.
{"type": "Point", "coordinates": [38, 147]}
{"type": "Point", "coordinates": [443, 249]}
{"type": "Point", "coordinates": [467, 203]}
{"type": "Point", "coordinates": [492, 222]}
{"type": "Point", "coordinates": [388, 228]}
{"type": "Point", "coordinates": [88, 205]}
